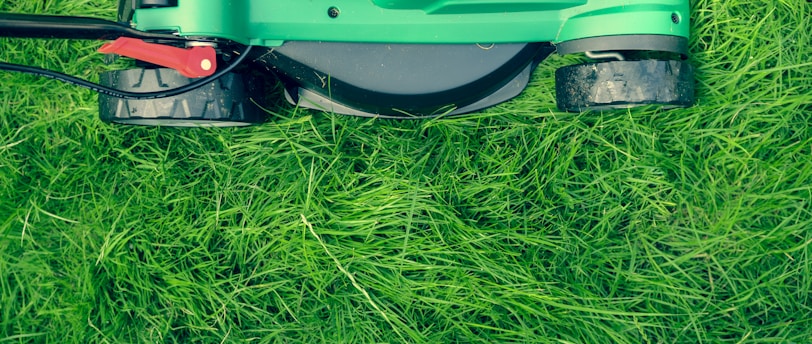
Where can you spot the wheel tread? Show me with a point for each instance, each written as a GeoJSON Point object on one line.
{"type": "Point", "coordinates": [624, 84]}
{"type": "Point", "coordinates": [224, 100]}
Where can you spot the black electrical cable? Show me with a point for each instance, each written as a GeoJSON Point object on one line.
{"type": "Point", "coordinates": [119, 93]}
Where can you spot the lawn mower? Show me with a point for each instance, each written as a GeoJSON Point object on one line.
{"type": "Point", "coordinates": [210, 62]}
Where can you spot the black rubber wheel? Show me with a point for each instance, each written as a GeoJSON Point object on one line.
{"type": "Point", "coordinates": [225, 102]}
{"type": "Point", "coordinates": [624, 84]}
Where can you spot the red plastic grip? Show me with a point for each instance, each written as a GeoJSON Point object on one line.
{"type": "Point", "coordinates": [195, 62]}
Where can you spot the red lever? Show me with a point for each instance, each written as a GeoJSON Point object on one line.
{"type": "Point", "coordinates": [195, 62]}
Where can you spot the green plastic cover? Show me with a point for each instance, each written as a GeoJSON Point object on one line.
{"type": "Point", "coordinates": [272, 22]}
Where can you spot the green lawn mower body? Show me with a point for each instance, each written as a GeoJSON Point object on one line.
{"type": "Point", "coordinates": [272, 23]}
{"type": "Point", "coordinates": [396, 58]}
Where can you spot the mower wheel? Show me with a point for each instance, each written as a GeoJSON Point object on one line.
{"type": "Point", "coordinates": [624, 84]}
{"type": "Point", "coordinates": [225, 102]}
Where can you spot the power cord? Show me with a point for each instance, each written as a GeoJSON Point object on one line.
{"type": "Point", "coordinates": [119, 93]}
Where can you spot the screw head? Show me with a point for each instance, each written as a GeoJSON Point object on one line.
{"type": "Point", "coordinates": [206, 64]}
{"type": "Point", "coordinates": [333, 12]}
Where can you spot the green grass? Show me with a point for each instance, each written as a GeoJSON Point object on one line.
{"type": "Point", "coordinates": [517, 224]}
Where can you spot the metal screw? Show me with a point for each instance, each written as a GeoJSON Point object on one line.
{"type": "Point", "coordinates": [206, 64]}
{"type": "Point", "coordinates": [674, 18]}
{"type": "Point", "coordinates": [333, 12]}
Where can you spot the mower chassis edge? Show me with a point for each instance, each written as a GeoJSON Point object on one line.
{"type": "Point", "coordinates": [672, 44]}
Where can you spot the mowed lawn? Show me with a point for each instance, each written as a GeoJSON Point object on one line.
{"type": "Point", "coordinates": [517, 224]}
